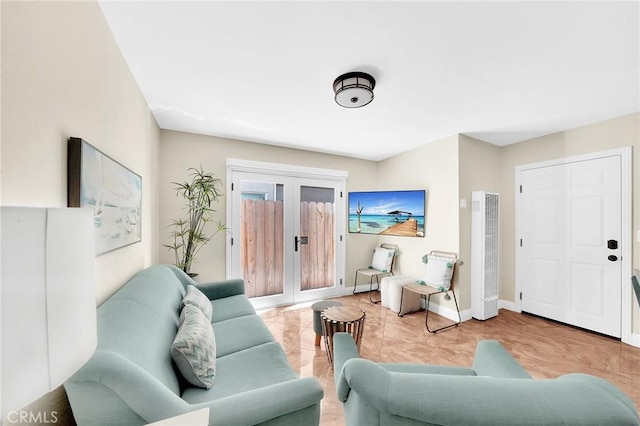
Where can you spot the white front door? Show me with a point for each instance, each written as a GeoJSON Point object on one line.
{"type": "Point", "coordinates": [286, 237]}
{"type": "Point", "coordinates": [571, 243]}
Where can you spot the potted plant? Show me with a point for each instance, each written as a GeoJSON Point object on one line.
{"type": "Point", "coordinates": [190, 234]}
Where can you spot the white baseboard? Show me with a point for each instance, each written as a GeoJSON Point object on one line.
{"type": "Point", "coordinates": [448, 312]}
{"type": "Point", "coordinates": [360, 288]}
{"type": "Point", "coordinates": [466, 314]}
{"type": "Point", "coordinates": [506, 304]}
{"type": "Point", "coordinates": [635, 340]}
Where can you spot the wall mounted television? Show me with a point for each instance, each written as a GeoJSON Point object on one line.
{"type": "Point", "coordinates": [400, 213]}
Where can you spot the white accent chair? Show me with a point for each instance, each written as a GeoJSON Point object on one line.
{"type": "Point", "coordinates": [381, 266]}
{"type": "Point", "coordinates": [437, 279]}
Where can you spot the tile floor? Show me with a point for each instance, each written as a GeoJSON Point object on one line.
{"type": "Point", "coordinates": [544, 348]}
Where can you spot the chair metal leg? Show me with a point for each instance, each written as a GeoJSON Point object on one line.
{"type": "Point", "coordinates": [371, 289]}
{"type": "Point", "coordinates": [426, 320]}
{"type": "Point", "coordinates": [355, 285]}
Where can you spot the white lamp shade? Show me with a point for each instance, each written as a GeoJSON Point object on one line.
{"type": "Point", "coordinates": [48, 300]}
{"type": "Point", "coordinates": [354, 97]}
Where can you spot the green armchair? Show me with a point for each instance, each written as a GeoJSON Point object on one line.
{"type": "Point", "coordinates": [496, 390]}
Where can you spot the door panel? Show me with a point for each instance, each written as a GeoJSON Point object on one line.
{"type": "Point", "coordinates": [588, 295]}
{"type": "Point", "coordinates": [258, 254]}
{"type": "Point", "coordinates": [543, 243]}
{"type": "Point", "coordinates": [262, 241]}
{"type": "Point", "coordinates": [587, 213]}
{"type": "Point", "coordinates": [317, 224]}
{"type": "Point", "coordinates": [317, 227]}
{"type": "Point", "coordinates": [544, 296]}
{"type": "Point", "coordinates": [318, 253]}
{"type": "Point", "coordinates": [570, 211]}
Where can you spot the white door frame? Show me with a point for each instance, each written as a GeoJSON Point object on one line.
{"type": "Point", "coordinates": [266, 168]}
{"type": "Point", "coordinates": [626, 238]}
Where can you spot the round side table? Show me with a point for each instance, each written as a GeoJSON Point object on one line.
{"type": "Point", "coordinates": [345, 319]}
{"type": "Point", "coordinates": [318, 307]}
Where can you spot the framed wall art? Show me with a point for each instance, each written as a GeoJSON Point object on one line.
{"type": "Point", "coordinates": [399, 213]}
{"type": "Point", "coordinates": [112, 191]}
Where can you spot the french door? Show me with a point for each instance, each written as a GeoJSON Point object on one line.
{"type": "Point", "coordinates": [287, 234]}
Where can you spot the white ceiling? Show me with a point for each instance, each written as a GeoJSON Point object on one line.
{"type": "Point", "coordinates": [263, 71]}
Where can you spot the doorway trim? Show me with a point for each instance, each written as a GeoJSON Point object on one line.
{"type": "Point", "coordinates": [261, 167]}
{"type": "Point", "coordinates": [625, 155]}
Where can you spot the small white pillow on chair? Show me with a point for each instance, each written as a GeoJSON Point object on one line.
{"type": "Point", "coordinates": [438, 271]}
{"type": "Point", "coordinates": [382, 259]}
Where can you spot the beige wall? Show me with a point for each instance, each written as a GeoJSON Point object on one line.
{"type": "Point", "coordinates": [63, 75]}
{"type": "Point", "coordinates": [609, 134]}
{"type": "Point", "coordinates": [433, 167]}
{"type": "Point", "coordinates": [179, 151]}
{"type": "Point", "coordinates": [479, 171]}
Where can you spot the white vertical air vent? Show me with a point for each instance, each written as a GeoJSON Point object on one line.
{"type": "Point", "coordinates": [484, 255]}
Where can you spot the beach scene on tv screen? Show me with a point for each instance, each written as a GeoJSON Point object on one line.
{"type": "Point", "coordinates": [387, 213]}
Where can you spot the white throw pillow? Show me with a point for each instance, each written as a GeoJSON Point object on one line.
{"type": "Point", "coordinates": [382, 259]}
{"type": "Point", "coordinates": [438, 271]}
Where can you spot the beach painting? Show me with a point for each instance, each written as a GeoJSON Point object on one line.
{"type": "Point", "coordinates": [399, 213]}
{"type": "Point", "coordinates": [111, 190]}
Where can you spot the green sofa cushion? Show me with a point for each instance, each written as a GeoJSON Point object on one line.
{"type": "Point", "coordinates": [241, 333]}
{"type": "Point", "coordinates": [242, 371]}
{"type": "Point", "coordinates": [231, 307]}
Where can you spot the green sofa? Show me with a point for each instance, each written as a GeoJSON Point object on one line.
{"type": "Point", "coordinates": [495, 391]}
{"type": "Point", "coordinates": [132, 380]}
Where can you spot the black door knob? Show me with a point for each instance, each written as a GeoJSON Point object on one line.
{"type": "Point", "coordinates": [612, 257]}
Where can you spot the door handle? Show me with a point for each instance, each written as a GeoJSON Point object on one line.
{"type": "Point", "coordinates": [299, 240]}
{"type": "Point", "coordinates": [612, 257]}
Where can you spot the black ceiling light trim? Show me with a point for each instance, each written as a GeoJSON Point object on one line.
{"type": "Point", "coordinates": [354, 89]}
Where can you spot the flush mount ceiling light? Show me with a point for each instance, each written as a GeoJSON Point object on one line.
{"type": "Point", "coordinates": [354, 89]}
